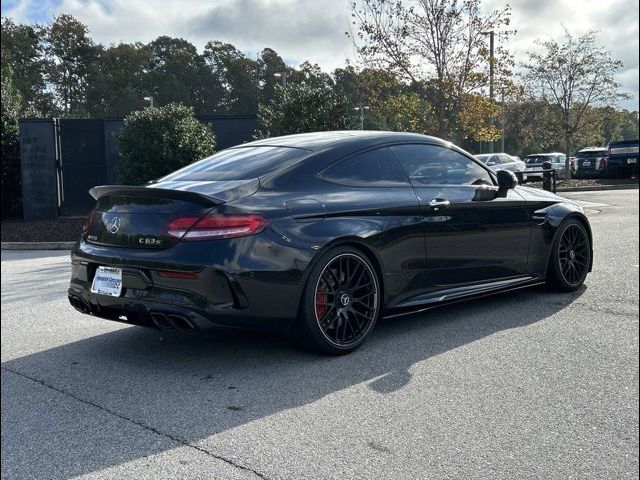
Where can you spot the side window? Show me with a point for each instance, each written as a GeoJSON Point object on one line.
{"type": "Point", "coordinates": [375, 168]}
{"type": "Point", "coordinates": [432, 165]}
{"type": "Point", "coordinates": [493, 160]}
{"type": "Point", "coordinates": [505, 159]}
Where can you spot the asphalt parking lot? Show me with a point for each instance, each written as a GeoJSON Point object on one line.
{"type": "Point", "coordinates": [529, 384]}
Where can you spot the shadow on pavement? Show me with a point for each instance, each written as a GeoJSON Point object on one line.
{"type": "Point", "coordinates": [193, 387]}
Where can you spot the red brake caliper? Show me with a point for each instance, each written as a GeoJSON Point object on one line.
{"type": "Point", "coordinates": [321, 300]}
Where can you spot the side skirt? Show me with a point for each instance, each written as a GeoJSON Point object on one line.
{"type": "Point", "coordinates": [460, 294]}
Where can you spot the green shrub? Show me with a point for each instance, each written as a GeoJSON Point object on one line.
{"type": "Point", "coordinates": [157, 141]}
{"type": "Point", "coordinates": [305, 108]}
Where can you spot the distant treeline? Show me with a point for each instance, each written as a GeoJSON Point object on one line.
{"type": "Point", "coordinates": [57, 70]}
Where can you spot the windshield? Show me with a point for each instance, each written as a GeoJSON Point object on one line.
{"type": "Point", "coordinates": [592, 154]}
{"type": "Point", "coordinates": [537, 159]}
{"type": "Point", "coordinates": [487, 157]}
{"type": "Point", "coordinates": [238, 163]}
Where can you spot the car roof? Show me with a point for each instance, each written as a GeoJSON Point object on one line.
{"type": "Point", "coordinates": [594, 149]}
{"type": "Point", "coordinates": [544, 154]}
{"type": "Point", "coordinates": [321, 140]}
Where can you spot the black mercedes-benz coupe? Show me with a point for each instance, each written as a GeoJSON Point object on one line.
{"type": "Point", "coordinates": [321, 233]}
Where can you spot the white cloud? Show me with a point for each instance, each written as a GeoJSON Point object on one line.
{"type": "Point", "coordinates": [314, 29]}
{"type": "Point", "coordinates": [615, 20]}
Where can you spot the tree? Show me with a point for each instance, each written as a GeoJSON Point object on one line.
{"type": "Point", "coordinates": [393, 106]}
{"type": "Point", "coordinates": [237, 78]}
{"type": "Point", "coordinates": [117, 86]}
{"type": "Point", "coordinates": [304, 108]}
{"type": "Point", "coordinates": [156, 141]}
{"type": "Point", "coordinates": [629, 127]}
{"type": "Point", "coordinates": [177, 73]}
{"type": "Point", "coordinates": [10, 152]}
{"type": "Point", "coordinates": [437, 46]}
{"type": "Point", "coordinates": [270, 64]}
{"type": "Point", "coordinates": [23, 46]}
{"type": "Point", "coordinates": [571, 75]}
{"type": "Point", "coordinates": [311, 74]}
{"type": "Point", "coordinates": [73, 58]}
{"type": "Point", "coordinates": [617, 124]}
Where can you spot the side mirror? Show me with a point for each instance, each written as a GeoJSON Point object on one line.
{"type": "Point", "coordinates": [506, 179]}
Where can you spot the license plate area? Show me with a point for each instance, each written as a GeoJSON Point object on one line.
{"type": "Point", "coordinates": [107, 281]}
{"type": "Point", "coordinates": [586, 164]}
{"type": "Point", "coordinates": [632, 160]}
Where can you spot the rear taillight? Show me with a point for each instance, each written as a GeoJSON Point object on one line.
{"type": "Point", "coordinates": [88, 222]}
{"type": "Point", "coordinates": [216, 226]}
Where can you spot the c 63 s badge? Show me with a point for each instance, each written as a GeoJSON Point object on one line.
{"type": "Point", "coordinates": [149, 241]}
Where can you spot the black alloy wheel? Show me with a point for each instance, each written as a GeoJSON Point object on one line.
{"type": "Point", "coordinates": [571, 257]}
{"type": "Point", "coordinates": [573, 254]}
{"type": "Point", "coordinates": [341, 304]}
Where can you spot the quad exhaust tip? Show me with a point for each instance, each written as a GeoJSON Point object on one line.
{"type": "Point", "coordinates": [172, 321]}
{"type": "Point", "coordinates": [80, 304]}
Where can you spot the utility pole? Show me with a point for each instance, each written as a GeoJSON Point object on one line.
{"type": "Point", "coordinates": [491, 34]}
{"type": "Point", "coordinates": [361, 109]}
{"type": "Point", "coordinates": [503, 116]}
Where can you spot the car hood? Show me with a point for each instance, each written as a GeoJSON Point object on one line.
{"type": "Point", "coordinates": [536, 194]}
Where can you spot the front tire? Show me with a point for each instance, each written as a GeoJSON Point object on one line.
{"type": "Point", "coordinates": [570, 257]}
{"type": "Point", "coordinates": [340, 304]}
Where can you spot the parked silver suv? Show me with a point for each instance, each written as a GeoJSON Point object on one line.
{"type": "Point", "coordinates": [536, 160]}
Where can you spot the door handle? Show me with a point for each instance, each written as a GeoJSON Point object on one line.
{"type": "Point", "coordinates": [439, 203]}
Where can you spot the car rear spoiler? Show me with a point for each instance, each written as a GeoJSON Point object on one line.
{"type": "Point", "coordinates": [209, 193]}
{"type": "Point", "coordinates": [105, 190]}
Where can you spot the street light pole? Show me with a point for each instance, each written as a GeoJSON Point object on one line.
{"type": "Point", "coordinates": [491, 34]}
{"type": "Point", "coordinates": [503, 116]}
{"type": "Point", "coordinates": [283, 76]}
{"type": "Point", "coordinates": [150, 100]}
{"type": "Point", "coordinates": [361, 109]}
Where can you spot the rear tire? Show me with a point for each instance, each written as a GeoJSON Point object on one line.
{"type": "Point", "coordinates": [340, 304]}
{"type": "Point", "coordinates": [570, 257]}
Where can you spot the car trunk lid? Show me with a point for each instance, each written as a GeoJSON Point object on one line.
{"type": "Point", "coordinates": [140, 217]}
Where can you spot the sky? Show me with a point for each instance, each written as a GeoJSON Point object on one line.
{"type": "Point", "coordinates": [314, 30]}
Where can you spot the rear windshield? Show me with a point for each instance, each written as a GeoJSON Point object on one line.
{"type": "Point", "coordinates": [592, 154]}
{"type": "Point", "coordinates": [238, 163]}
{"type": "Point", "coordinates": [541, 158]}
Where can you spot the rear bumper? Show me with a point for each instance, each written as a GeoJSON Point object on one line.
{"type": "Point", "coordinates": [259, 290]}
{"type": "Point", "coordinates": [623, 163]}
{"type": "Point", "coordinates": [581, 172]}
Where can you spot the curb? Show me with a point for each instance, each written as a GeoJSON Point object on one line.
{"type": "Point", "coordinates": [596, 188]}
{"type": "Point", "coordinates": [36, 245]}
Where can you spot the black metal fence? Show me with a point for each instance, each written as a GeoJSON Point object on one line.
{"type": "Point", "coordinates": [62, 159]}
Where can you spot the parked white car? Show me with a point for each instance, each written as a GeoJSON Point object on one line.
{"type": "Point", "coordinates": [502, 161]}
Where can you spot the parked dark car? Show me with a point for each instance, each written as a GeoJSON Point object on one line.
{"type": "Point", "coordinates": [623, 159]}
{"type": "Point", "coordinates": [591, 162]}
{"type": "Point", "coordinates": [322, 233]}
